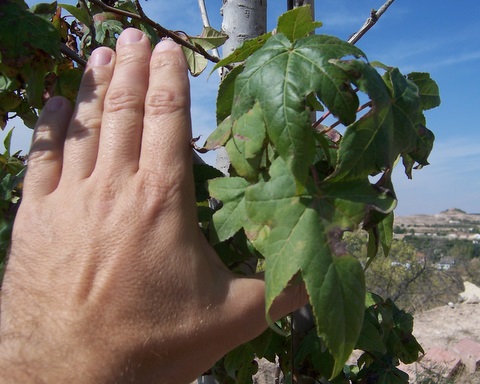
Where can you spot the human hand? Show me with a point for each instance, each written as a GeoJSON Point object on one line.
{"type": "Point", "coordinates": [109, 273]}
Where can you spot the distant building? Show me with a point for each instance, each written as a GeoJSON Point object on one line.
{"type": "Point", "coordinates": [445, 263]}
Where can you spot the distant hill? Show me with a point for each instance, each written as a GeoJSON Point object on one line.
{"type": "Point", "coordinates": [452, 222]}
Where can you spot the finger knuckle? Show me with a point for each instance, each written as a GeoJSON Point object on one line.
{"type": "Point", "coordinates": [122, 98]}
{"type": "Point", "coordinates": [157, 190]}
{"type": "Point", "coordinates": [43, 145]}
{"type": "Point", "coordinates": [88, 127]}
{"type": "Point", "coordinates": [164, 101]}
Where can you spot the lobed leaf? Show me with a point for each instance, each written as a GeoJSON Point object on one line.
{"type": "Point", "coordinates": [244, 51]}
{"type": "Point", "coordinates": [297, 23]}
{"type": "Point", "coordinates": [23, 34]}
{"type": "Point", "coordinates": [232, 217]}
{"type": "Point", "coordinates": [247, 143]}
{"type": "Point", "coordinates": [373, 143]}
{"type": "Point", "coordinates": [302, 234]}
{"type": "Point", "coordinates": [428, 89]}
{"type": "Point", "coordinates": [226, 93]}
{"type": "Point", "coordinates": [220, 135]}
{"type": "Point", "coordinates": [80, 12]}
{"type": "Point", "coordinates": [107, 31]}
{"type": "Point", "coordinates": [274, 76]}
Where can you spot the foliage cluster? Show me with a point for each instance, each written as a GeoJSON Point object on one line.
{"type": "Point", "coordinates": [294, 188]}
{"type": "Point", "coordinates": [12, 168]}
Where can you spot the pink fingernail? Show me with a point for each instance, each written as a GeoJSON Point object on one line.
{"type": "Point", "coordinates": [54, 104]}
{"type": "Point", "coordinates": [130, 35]}
{"type": "Point", "coordinates": [100, 56]}
{"type": "Point", "coordinates": [166, 45]}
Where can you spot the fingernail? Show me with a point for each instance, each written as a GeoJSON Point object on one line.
{"type": "Point", "coordinates": [166, 45]}
{"type": "Point", "coordinates": [130, 35]}
{"type": "Point", "coordinates": [54, 104]}
{"type": "Point", "coordinates": [100, 56]}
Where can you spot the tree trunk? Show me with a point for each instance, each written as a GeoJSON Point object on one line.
{"type": "Point", "coordinates": [242, 20]}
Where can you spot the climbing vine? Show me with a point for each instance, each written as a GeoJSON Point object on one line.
{"type": "Point", "coordinates": [296, 185]}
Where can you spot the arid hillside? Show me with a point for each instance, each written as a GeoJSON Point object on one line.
{"type": "Point", "coordinates": [453, 223]}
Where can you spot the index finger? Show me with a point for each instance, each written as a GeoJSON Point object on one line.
{"type": "Point", "coordinates": [167, 126]}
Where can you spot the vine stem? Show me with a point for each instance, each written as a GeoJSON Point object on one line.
{"type": "Point", "coordinates": [371, 21]}
{"type": "Point", "coordinates": [162, 31]}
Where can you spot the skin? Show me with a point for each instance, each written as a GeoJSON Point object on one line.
{"type": "Point", "coordinates": [109, 278]}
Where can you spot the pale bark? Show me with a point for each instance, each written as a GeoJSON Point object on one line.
{"type": "Point", "coordinates": [242, 20]}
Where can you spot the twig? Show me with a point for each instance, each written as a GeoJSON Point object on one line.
{"type": "Point", "coordinates": [205, 21]}
{"type": "Point", "coordinates": [161, 31]}
{"type": "Point", "coordinates": [72, 55]}
{"type": "Point", "coordinates": [371, 21]}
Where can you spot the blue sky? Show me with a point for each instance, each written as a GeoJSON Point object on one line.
{"type": "Point", "coordinates": [442, 38]}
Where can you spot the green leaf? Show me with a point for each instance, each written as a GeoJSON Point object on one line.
{"type": "Point", "coordinates": [385, 229]}
{"type": "Point", "coordinates": [45, 10]}
{"type": "Point", "coordinates": [148, 30]}
{"type": "Point", "coordinates": [302, 234]}
{"type": "Point", "coordinates": [232, 216]}
{"type": "Point", "coordinates": [247, 143]}
{"type": "Point", "coordinates": [8, 84]}
{"type": "Point", "coordinates": [22, 33]}
{"type": "Point", "coordinates": [7, 142]}
{"type": "Point", "coordinates": [68, 82]}
{"type": "Point", "coordinates": [240, 363]}
{"type": "Point", "coordinates": [26, 113]}
{"type": "Point", "coordinates": [226, 93]}
{"type": "Point", "coordinates": [35, 85]}
{"type": "Point", "coordinates": [313, 102]}
{"type": "Point", "coordinates": [297, 23]}
{"type": "Point", "coordinates": [313, 349]}
{"type": "Point", "coordinates": [106, 31]}
{"type": "Point", "coordinates": [220, 135]}
{"type": "Point", "coordinates": [400, 340]}
{"type": "Point", "coordinates": [371, 338]}
{"type": "Point", "coordinates": [8, 102]}
{"type": "Point", "coordinates": [382, 372]}
{"type": "Point", "coordinates": [373, 143]}
{"type": "Point", "coordinates": [423, 145]}
{"type": "Point", "coordinates": [274, 76]}
{"type": "Point", "coordinates": [202, 173]}
{"type": "Point", "coordinates": [80, 12]}
{"type": "Point", "coordinates": [428, 89]}
{"type": "Point", "coordinates": [244, 51]}
{"type": "Point", "coordinates": [28, 46]}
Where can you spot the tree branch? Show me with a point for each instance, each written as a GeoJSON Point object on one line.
{"type": "Point", "coordinates": [161, 31]}
{"type": "Point", "coordinates": [371, 21]}
{"type": "Point", "coordinates": [72, 55]}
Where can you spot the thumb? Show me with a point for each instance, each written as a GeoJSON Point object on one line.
{"type": "Point", "coordinates": [248, 306]}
